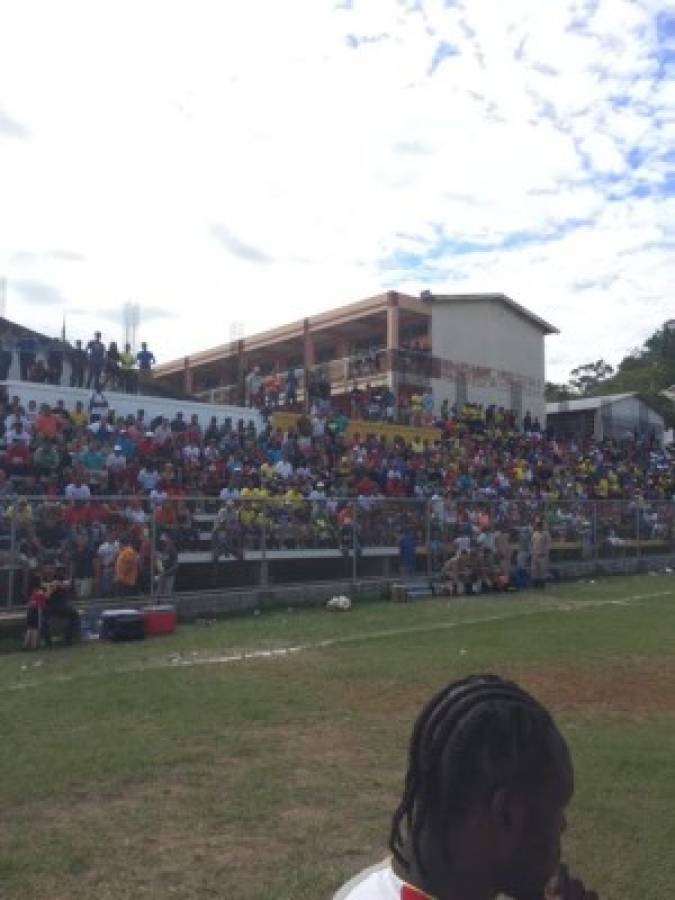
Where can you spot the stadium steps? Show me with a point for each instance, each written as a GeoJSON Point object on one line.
{"type": "Point", "coordinates": [412, 589]}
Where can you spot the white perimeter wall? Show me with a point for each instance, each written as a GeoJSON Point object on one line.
{"type": "Point", "coordinates": [129, 404]}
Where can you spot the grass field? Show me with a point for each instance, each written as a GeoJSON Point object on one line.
{"type": "Point", "coordinates": [177, 767]}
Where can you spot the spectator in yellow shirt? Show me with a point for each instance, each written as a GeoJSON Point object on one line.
{"type": "Point", "coordinates": [79, 416]}
{"type": "Point", "coordinates": [126, 569]}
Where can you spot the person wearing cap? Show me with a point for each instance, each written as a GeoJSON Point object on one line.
{"type": "Point", "coordinates": [146, 446]}
{"type": "Point", "coordinates": [126, 444]}
{"type": "Point", "coordinates": [116, 461]}
{"type": "Point", "coordinates": [483, 805]}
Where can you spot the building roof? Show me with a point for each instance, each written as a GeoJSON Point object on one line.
{"type": "Point", "coordinates": [545, 326]}
{"type": "Point", "coordinates": [332, 318]}
{"type": "Point", "coordinates": [9, 325]}
{"type": "Point", "coordinates": [588, 403]}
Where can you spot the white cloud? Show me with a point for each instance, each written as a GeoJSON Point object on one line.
{"type": "Point", "coordinates": [148, 126]}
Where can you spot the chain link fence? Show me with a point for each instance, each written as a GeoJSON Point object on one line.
{"type": "Point", "coordinates": [153, 546]}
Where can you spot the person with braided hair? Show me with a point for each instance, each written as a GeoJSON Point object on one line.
{"type": "Point", "coordinates": [483, 807]}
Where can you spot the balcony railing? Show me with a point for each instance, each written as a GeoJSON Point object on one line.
{"type": "Point", "coordinates": [413, 367]}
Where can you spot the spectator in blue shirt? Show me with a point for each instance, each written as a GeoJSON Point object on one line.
{"type": "Point", "coordinates": [145, 358]}
{"type": "Point", "coordinates": [406, 551]}
{"type": "Point", "coordinates": [291, 388]}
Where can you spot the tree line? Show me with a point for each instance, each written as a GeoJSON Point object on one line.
{"type": "Point", "coordinates": [647, 370]}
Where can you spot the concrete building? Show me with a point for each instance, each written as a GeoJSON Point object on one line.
{"type": "Point", "coordinates": [482, 348]}
{"type": "Point", "coordinates": [490, 350]}
{"type": "Point", "coordinates": [618, 416]}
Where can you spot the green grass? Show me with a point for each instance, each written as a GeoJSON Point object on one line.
{"type": "Point", "coordinates": [140, 770]}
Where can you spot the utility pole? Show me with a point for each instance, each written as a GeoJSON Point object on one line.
{"type": "Point", "coordinates": [131, 315]}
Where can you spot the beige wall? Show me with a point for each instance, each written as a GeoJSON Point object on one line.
{"type": "Point", "coordinates": [496, 345]}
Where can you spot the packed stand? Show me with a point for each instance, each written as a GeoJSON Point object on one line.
{"type": "Point", "coordinates": [108, 485]}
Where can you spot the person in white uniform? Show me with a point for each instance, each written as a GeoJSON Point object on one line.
{"type": "Point", "coordinates": [483, 806]}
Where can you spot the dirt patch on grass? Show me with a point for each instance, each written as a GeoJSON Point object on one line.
{"type": "Point", "coordinates": [287, 811]}
{"type": "Point", "coordinates": [246, 827]}
{"type": "Point", "coordinates": [636, 687]}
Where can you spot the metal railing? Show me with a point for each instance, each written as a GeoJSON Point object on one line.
{"type": "Point", "coordinates": [414, 367]}
{"type": "Point", "coordinates": [215, 544]}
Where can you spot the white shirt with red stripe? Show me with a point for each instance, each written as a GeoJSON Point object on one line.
{"type": "Point", "coordinates": [379, 883]}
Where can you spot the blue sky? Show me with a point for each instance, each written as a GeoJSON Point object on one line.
{"type": "Point", "coordinates": [239, 165]}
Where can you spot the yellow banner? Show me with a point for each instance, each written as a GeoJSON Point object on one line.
{"type": "Point", "coordinates": [363, 427]}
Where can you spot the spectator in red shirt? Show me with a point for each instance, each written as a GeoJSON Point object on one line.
{"type": "Point", "coordinates": [146, 446]}
{"type": "Point", "coordinates": [18, 458]}
{"type": "Point", "coordinates": [47, 423]}
{"type": "Point", "coordinates": [34, 613]}
{"type": "Point", "coordinates": [366, 487]}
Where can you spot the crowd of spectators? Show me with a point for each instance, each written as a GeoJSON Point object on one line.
{"type": "Point", "coordinates": [269, 389]}
{"type": "Point", "coordinates": [105, 480]}
{"type": "Point", "coordinates": [310, 487]}
{"type": "Point", "coordinates": [43, 360]}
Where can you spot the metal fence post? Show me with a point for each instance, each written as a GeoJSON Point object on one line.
{"type": "Point", "coordinates": [428, 538]}
{"type": "Point", "coordinates": [354, 541]}
{"type": "Point", "coordinates": [637, 532]}
{"type": "Point", "coordinates": [596, 543]}
{"type": "Point", "coordinates": [153, 550]}
{"type": "Point", "coordinates": [264, 573]}
{"type": "Point", "coordinates": [11, 574]}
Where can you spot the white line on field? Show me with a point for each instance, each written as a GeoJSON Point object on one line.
{"type": "Point", "coordinates": [178, 661]}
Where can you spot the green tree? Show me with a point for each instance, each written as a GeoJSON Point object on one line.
{"type": "Point", "coordinates": [647, 371]}
{"type": "Point", "coordinates": [587, 378]}
{"type": "Point", "coordinates": [554, 393]}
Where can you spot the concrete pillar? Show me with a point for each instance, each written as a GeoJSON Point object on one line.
{"type": "Point", "coordinates": [392, 321]}
{"type": "Point", "coordinates": [340, 375]}
{"type": "Point", "coordinates": [309, 357]}
{"type": "Point", "coordinates": [393, 317]}
{"type": "Point", "coordinates": [241, 373]}
{"type": "Point", "coordinates": [187, 376]}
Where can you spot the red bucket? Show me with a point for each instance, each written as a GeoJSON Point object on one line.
{"type": "Point", "coordinates": [160, 619]}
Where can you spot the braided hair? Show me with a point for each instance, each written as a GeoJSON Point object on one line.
{"type": "Point", "coordinates": [475, 736]}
